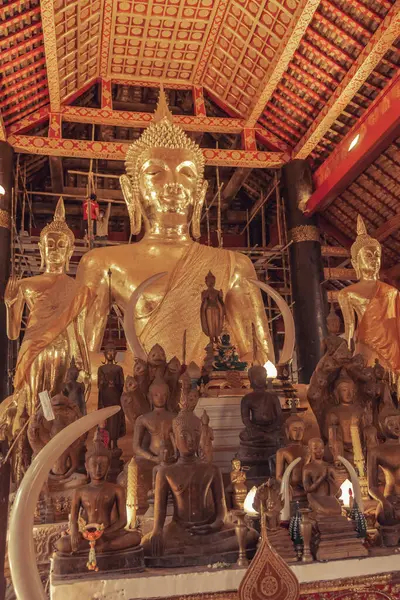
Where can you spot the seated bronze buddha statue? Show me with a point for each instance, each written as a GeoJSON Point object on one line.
{"type": "Point", "coordinates": [198, 532]}
{"type": "Point", "coordinates": [98, 503]}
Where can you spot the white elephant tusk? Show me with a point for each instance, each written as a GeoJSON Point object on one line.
{"type": "Point", "coordinates": [21, 550]}
{"type": "Point", "coordinates": [288, 344]}
{"type": "Point", "coordinates": [285, 489]}
{"type": "Point", "coordinates": [129, 317]}
{"type": "Point", "coordinates": [354, 482]}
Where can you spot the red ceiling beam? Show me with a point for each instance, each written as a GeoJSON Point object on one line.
{"type": "Point", "coordinates": [16, 50]}
{"type": "Point", "coordinates": [18, 74]}
{"type": "Point", "coordinates": [379, 126]}
{"type": "Point", "coordinates": [117, 151]}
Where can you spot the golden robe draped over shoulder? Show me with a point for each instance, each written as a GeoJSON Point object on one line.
{"type": "Point", "coordinates": [379, 328]}
{"type": "Point", "coordinates": [51, 315]}
{"type": "Point", "coordinates": [182, 301]}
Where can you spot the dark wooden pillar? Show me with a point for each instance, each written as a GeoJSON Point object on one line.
{"type": "Point", "coordinates": [7, 181]}
{"type": "Point", "coordinates": [306, 268]}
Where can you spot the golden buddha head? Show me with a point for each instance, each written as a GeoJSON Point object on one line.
{"type": "Point", "coordinates": [236, 464]}
{"type": "Point", "coordinates": [366, 253]}
{"type": "Point", "coordinates": [186, 428]}
{"type": "Point", "coordinates": [316, 448]}
{"type": "Point", "coordinates": [56, 243]}
{"type": "Point", "coordinates": [165, 175]}
{"type": "Point", "coordinates": [294, 427]}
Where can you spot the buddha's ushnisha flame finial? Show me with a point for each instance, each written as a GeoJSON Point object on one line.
{"type": "Point", "coordinates": [58, 224]}
{"type": "Point", "coordinates": [362, 239]}
{"type": "Point", "coordinates": [162, 110]}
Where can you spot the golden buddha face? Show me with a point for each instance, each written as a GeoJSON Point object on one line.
{"type": "Point", "coordinates": [97, 467]}
{"type": "Point", "coordinates": [168, 181]}
{"type": "Point", "coordinates": [55, 250]}
{"type": "Point", "coordinates": [368, 262]}
{"type": "Point", "coordinates": [316, 447]}
{"type": "Point", "coordinates": [236, 464]}
{"type": "Point", "coordinates": [345, 392]}
{"type": "Point", "coordinates": [295, 431]}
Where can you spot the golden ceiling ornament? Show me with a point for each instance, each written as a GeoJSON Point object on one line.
{"type": "Point", "coordinates": [362, 239]}
{"type": "Point", "coordinates": [5, 219]}
{"type": "Point", "coordinates": [162, 133]}
{"type": "Point", "coordinates": [304, 233]}
{"type": "Point", "coordinates": [58, 224]}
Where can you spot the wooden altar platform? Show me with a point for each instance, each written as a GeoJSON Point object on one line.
{"type": "Point", "coordinates": [372, 578]}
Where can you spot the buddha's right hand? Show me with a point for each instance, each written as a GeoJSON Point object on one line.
{"type": "Point", "coordinates": [156, 543]}
{"type": "Point", "coordinates": [11, 292]}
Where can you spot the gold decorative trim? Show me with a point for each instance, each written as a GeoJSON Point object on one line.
{"type": "Point", "coordinates": [50, 49]}
{"type": "Point", "coordinates": [5, 219]}
{"type": "Point", "coordinates": [304, 233]}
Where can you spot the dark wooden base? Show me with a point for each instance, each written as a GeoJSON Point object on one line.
{"type": "Point", "coordinates": [73, 566]}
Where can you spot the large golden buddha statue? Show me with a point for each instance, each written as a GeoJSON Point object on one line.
{"type": "Point", "coordinates": [55, 330]}
{"type": "Point", "coordinates": [165, 188]}
{"type": "Point", "coordinates": [375, 304]}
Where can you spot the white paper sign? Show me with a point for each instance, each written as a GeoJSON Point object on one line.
{"type": "Point", "coordinates": [45, 401]}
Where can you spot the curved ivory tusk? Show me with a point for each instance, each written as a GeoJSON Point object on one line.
{"type": "Point", "coordinates": [21, 550]}
{"type": "Point", "coordinates": [288, 345]}
{"type": "Point", "coordinates": [285, 489]}
{"type": "Point", "coordinates": [129, 317]}
{"type": "Point", "coordinates": [354, 482]}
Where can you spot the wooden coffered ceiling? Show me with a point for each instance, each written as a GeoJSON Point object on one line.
{"type": "Point", "coordinates": [288, 78]}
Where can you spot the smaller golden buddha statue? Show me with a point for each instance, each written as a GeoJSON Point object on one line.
{"type": "Point", "coordinates": [104, 505]}
{"type": "Point", "coordinates": [341, 418]}
{"type": "Point", "coordinates": [385, 458]}
{"type": "Point", "coordinates": [212, 310]}
{"type": "Point", "coordinates": [55, 331]}
{"type": "Point", "coordinates": [238, 483]}
{"type": "Point", "coordinates": [375, 304]}
{"type": "Point", "coordinates": [294, 429]}
{"type": "Point", "coordinates": [198, 533]}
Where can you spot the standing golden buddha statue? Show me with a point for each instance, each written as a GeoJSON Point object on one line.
{"type": "Point", "coordinates": [376, 305]}
{"type": "Point", "coordinates": [165, 188]}
{"type": "Point", "coordinates": [55, 330]}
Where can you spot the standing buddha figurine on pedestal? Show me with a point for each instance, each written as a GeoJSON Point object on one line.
{"type": "Point", "coordinates": [375, 304]}
{"type": "Point", "coordinates": [212, 310]}
{"type": "Point", "coordinates": [238, 484]}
